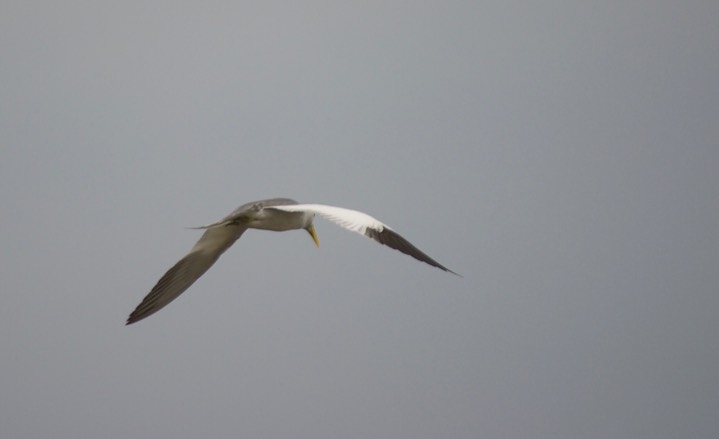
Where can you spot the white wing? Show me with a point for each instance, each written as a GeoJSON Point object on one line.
{"type": "Point", "coordinates": [366, 225]}
{"type": "Point", "coordinates": [349, 219]}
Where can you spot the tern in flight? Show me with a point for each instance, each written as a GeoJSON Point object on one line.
{"type": "Point", "coordinates": [277, 214]}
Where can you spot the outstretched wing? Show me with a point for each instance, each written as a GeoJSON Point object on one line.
{"type": "Point", "coordinates": [187, 270]}
{"type": "Point", "coordinates": [366, 225]}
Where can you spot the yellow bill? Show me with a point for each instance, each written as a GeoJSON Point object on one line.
{"type": "Point", "coordinates": [313, 234]}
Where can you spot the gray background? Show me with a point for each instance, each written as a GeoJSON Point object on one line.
{"type": "Point", "coordinates": [562, 156]}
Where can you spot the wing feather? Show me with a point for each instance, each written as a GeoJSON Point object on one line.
{"type": "Point", "coordinates": [366, 225]}
{"type": "Point", "coordinates": [187, 270]}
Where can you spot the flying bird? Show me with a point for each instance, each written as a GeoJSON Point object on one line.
{"type": "Point", "coordinates": [277, 214]}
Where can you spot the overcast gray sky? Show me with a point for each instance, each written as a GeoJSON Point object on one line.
{"type": "Point", "coordinates": [562, 156]}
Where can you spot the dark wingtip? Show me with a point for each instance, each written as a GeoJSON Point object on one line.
{"type": "Point", "coordinates": [132, 319]}
{"type": "Point", "coordinates": [394, 240]}
{"type": "Point", "coordinates": [454, 273]}
{"type": "Point", "coordinates": [442, 267]}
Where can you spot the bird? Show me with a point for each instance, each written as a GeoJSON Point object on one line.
{"type": "Point", "coordinates": [275, 214]}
